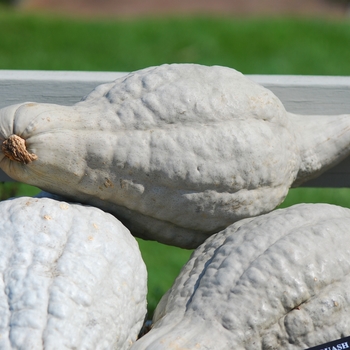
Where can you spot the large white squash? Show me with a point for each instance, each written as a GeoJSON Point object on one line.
{"type": "Point", "coordinates": [176, 152]}
{"type": "Point", "coordinates": [72, 277]}
{"type": "Point", "coordinates": [280, 281]}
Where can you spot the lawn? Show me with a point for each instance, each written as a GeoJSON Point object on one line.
{"type": "Point", "coordinates": [255, 45]}
{"type": "Point", "coordinates": [251, 45]}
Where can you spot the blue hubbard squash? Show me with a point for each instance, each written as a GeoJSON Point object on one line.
{"type": "Point", "coordinates": [72, 277]}
{"type": "Point", "coordinates": [176, 152]}
{"type": "Point", "coordinates": [279, 281]}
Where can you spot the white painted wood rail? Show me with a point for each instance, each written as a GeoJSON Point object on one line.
{"type": "Point", "coordinates": [299, 94]}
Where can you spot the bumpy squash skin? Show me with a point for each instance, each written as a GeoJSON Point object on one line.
{"type": "Point", "coordinates": [280, 281]}
{"type": "Point", "coordinates": [72, 278]}
{"type": "Point", "coordinates": [176, 152]}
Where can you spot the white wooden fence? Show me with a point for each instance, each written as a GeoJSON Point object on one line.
{"type": "Point", "coordinates": [299, 94]}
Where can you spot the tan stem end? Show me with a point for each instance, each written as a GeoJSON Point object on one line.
{"type": "Point", "coordinates": [14, 148]}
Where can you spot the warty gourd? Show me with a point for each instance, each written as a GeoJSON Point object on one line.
{"type": "Point", "coordinates": [280, 281]}
{"type": "Point", "coordinates": [176, 152]}
{"type": "Point", "coordinates": [72, 277]}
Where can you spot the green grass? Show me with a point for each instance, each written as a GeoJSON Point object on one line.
{"type": "Point", "coordinates": [337, 196]}
{"type": "Point", "coordinates": [255, 45]}
{"type": "Point", "coordinates": [251, 45]}
{"type": "Point", "coordinates": [16, 189]}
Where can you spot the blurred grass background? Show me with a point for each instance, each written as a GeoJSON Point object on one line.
{"type": "Point", "coordinates": [275, 45]}
{"type": "Point", "coordinates": [252, 45]}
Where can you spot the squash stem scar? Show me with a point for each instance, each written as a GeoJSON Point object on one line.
{"type": "Point", "coordinates": [14, 148]}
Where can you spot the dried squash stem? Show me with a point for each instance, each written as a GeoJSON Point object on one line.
{"type": "Point", "coordinates": [14, 148]}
